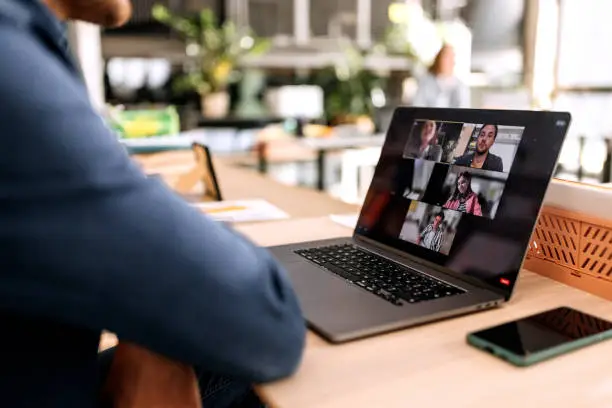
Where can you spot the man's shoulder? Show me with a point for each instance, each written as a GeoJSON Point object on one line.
{"type": "Point", "coordinates": [30, 34]}
{"type": "Point", "coordinates": [495, 157]}
{"type": "Point", "coordinates": [18, 12]}
{"type": "Point", "coordinates": [496, 160]}
{"type": "Point", "coordinates": [32, 17]}
{"type": "Point", "coordinates": [465, 159]}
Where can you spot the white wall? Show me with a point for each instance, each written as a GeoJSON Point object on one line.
{"type": "Point", "coordinates": [506, 151]}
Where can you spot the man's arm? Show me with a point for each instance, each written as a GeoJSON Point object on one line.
{"type": "Point", "coordinates": [89, 240]}
{"type": "Point", "coordinates": [421, 236]}
{"type": "Point", "coordinates": [437, 244]}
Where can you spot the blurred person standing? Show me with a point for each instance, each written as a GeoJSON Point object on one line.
{"type": "Point", "coordinates": [440, 87]}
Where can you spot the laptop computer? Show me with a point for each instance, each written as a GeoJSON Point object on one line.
{"type": "Point", "coordinates": [444, 227]}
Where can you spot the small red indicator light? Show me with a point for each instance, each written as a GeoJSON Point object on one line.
{"type": "Point", "coordinates": [505, 281]}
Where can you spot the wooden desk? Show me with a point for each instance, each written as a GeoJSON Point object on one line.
{"type": "Point", "coordinates": [432, 366]}
{"type": "Point", "coordinates": [239, 183]}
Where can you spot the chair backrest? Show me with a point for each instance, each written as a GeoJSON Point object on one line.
{"type": "Point", "coordinates": [204, 172]}
{"type": "Point", "coordinates": [209, 177]}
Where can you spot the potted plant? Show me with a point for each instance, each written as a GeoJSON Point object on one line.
{"type": "Point", "coordinates": [214, 49]}
{"type": "Point", "coordinates": [350, 89]}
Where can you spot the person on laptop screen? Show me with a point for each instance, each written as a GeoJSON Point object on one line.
{"type": "Point", "coordinates": [424, 144]}
{"type": "Point", "coordinates": [464, 199]}
{"type": "Point", "coordinates": [482, 158]}
{"type": "Point", "coordinates": [432, 235]}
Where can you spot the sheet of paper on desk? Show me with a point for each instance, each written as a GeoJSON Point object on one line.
{"type": "Point", "coordinates": [346, 220]}
{"type": "Point", "coordinates": [242, 210]}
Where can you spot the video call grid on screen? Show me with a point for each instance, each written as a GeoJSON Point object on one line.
{"type": "Point", "coordinates": [488, 247]}
{"type": "Point", "coordinates": [458, 169]}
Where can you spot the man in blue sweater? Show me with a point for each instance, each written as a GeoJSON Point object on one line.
{"type": "Point", "coordinates": [88, 242]}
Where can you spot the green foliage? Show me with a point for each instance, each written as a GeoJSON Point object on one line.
{"type": "Point", "coordinates": [348, 86]}
{"type": "Point", "coordinates": [396, 43]}
{"type": "Point", "coordinates": [216, 48]}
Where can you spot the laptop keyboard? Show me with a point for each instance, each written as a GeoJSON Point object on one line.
{"type": "Point", "coordinates": [389, 280]}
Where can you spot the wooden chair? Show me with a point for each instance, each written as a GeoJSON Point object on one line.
{"type": "Point", "coordinates": [204, 172]}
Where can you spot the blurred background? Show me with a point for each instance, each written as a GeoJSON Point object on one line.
{"type": "Point", "coordinates": [303, 90]}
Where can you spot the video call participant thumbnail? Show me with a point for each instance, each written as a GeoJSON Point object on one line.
{"type": "Point", "coordinates": [423, 142]}
{"type": "Point", "coordinates": [482, 158]}
{"type": "Point", "coordinates": [430, 226]}
{"type": "Point", "coordinates": [464, 199]}
{"type": "Point", "coordinates": [432, 235]}
{"type": "Point", "coordinates": [417, 178]}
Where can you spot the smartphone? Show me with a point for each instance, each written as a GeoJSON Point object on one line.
{"type": "Point", "coordinates": [539, 337]}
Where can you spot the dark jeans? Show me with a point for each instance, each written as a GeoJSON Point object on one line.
{"type": "Point", "coordinates": [216, 391]}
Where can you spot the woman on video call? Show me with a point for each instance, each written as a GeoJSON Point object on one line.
{"type": "Point", "coordinates": [464, 199]}
{"type": "Point", "coordinates": [425, 146]}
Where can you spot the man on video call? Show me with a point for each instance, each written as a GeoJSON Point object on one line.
{"type": "Point", "coordinates": [90, 243]}
{"type": "Point", "coordinates": [482, 158]}
{"type": "Point", "coordinates": [432, 235]}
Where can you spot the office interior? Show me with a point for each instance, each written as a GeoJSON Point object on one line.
{"type": "Point", "coordinates": [320, 69]}
{"type": "Point", "coordinates": [293, 98]}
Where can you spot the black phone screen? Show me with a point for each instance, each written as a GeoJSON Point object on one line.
{"type": "Point", "coordinates": [544, 330]}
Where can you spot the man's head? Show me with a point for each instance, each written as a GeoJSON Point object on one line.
{"type": "Point", "coordinates": [438, 218]}
{"type": "Point", "coordinates": [486, 138]}
{"type": "Point", "coordinates": [107, 13]}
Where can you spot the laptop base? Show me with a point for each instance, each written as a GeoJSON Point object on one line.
{"type": "Point", "coordinates": [341, 311]}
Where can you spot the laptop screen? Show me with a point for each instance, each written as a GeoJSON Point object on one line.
{"type": "Point", "coordinates": [463, 188]}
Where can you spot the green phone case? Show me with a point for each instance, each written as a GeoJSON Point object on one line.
{"type": "Point", "coordinates": [524, 361]}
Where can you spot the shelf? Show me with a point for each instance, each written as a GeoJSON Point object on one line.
{"type": "Point", "coordinates": [280, 57]}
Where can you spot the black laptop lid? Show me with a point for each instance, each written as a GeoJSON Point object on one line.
{"type": "Point", "coordinates": [463, 188]}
